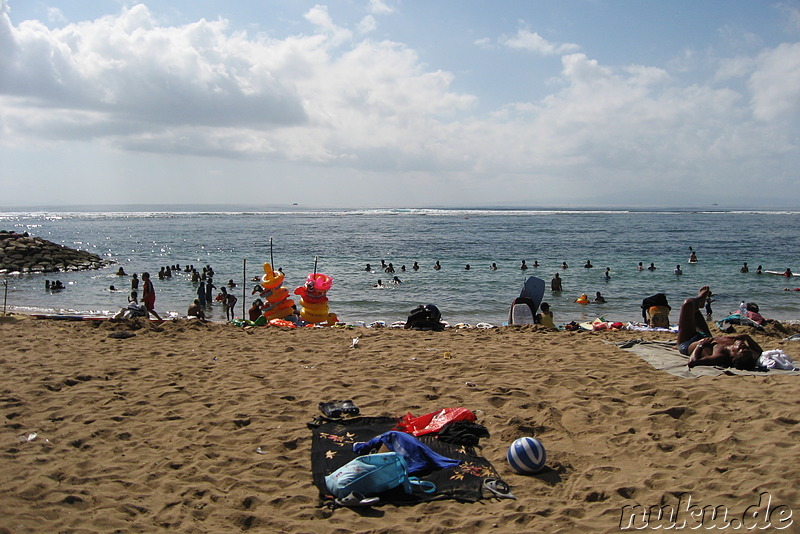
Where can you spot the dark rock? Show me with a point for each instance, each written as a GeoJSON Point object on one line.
{"type": "Point", "coordinates": [23, 253]}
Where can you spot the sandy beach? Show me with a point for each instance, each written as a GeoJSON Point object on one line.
{"type": "Point", "coordinates": [199, 427]}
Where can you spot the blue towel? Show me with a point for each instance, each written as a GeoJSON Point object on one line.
{"type": "Point", "coordinates": [417, 455]}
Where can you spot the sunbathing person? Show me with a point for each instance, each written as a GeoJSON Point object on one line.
{"type": "Point", "coordinates": [694, 340]}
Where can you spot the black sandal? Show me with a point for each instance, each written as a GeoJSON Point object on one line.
{"type": "Point", "coordinates": [348, 408]}
{"type": "Point", "coordinates": [330, 409]}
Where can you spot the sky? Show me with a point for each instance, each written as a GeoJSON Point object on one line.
{"type": "Point", "coordinates": [401, 103]}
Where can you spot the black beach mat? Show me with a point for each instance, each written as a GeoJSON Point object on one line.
{"type": "Point", "coordinates": [332, 447]}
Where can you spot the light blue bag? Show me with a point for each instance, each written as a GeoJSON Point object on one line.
{"type": "Point", "coordinates": [373, 474]}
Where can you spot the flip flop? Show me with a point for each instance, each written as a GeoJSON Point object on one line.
{"type": "Point", "coordinates": [498, 488]}
{"type": "Point", "coordinates": [348, 408]}
{"type": "Point", "coordinates": [357, 499]}
{"type": "Point", "coordinates": [330, 409]}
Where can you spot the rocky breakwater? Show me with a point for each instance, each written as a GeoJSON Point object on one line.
{"type": "Point", "coordinates": [21, 253]}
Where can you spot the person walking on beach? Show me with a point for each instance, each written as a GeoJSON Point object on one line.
{"type": "Point", "coordinates": [149, 296]}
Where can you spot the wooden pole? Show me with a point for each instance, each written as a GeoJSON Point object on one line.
{"type": "Point", "coordinates": [244, 286]}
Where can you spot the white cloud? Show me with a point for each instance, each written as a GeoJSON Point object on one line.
{"type": "Point", "coordinates": [368, 24]}
{"type": "Point", "coordinates": [56, 17]}
{"type": "Point", "coordinates": [128, 68]}
{"type": "Point", "coordinates": [362, 107]}
{"type": "Point", "coordinates": [484, 42]}
{"type": "Point", "coordinates": [533, 42]}
{"type": "Point", "coordinates": [379, 7]}
{"type": "Point", "coordinates": [319, 16]}
{"type": "Point", "coordinates": [791, 13]}
{"type": "Point", "coordinates": [775, 84]}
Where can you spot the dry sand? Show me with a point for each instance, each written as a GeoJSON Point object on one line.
{"type": "Point", "coordinates": [160, 430]}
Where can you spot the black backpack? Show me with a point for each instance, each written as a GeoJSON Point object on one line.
{"type": "Point", "coordinates": [427, 317]}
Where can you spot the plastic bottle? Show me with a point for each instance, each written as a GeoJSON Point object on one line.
{"type": "Point", "coordinates": [743, 309]}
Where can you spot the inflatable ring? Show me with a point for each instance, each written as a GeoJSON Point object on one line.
{"type": "Point", "coordinates": [277, 295]}
{"type": "Point", "coordinates": [270, 281]}
{"type": "Point", "coordinates": [317, 308]}
{"type": "Point", "coordinates": [318, 283]}
{"type": "Point", "coordinates": [313, 318]}
{"type": "Point", "coordinates": [311, 298]}
{"type": "Point", "coordinates": [583, 299]}
{"type": "Point", "coordinates": [270, 307]}
{"type": "Point", "coordinates": [278, 314]}
{"type": "Point", "coordinates": [282, 322]}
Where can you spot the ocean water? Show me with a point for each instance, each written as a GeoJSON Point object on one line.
{"type": "Point", "coordinates": [341, 242]}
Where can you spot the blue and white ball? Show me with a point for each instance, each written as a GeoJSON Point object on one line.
{"type": "Point", "coordinates": [526, 456]}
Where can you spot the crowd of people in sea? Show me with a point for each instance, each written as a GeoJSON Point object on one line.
{"type": "Point", "coordinates": [205, 295]}
{"type": "Point", "coordinates": [203, 280]}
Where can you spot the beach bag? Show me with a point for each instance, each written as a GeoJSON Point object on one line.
{"type": "Point", "coordinates": [369, 475]}
{"type": "Point", "coordinates": [427, 317]}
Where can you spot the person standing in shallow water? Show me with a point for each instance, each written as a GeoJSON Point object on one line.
{"type": "Point", "coordinates": [201, 293]}
{"type": "Point", "coordinates": [555, 283]}
{"type": "Point", "coordinates": [149, 295]}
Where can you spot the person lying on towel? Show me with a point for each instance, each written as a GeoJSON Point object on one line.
{"type": "Point", "coordinates": [739, 351]}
